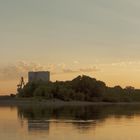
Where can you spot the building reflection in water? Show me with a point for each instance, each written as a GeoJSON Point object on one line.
{"type": "Point", "coordinates": [38, 125]}
{"type": "Point", "coordinates": [82, 117]}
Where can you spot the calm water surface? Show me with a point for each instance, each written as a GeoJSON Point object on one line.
{"type": "Point", "coordinates": [70, 123]}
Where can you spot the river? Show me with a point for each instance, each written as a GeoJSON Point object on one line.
{"type": "Point", "coordinates": [96, 122]}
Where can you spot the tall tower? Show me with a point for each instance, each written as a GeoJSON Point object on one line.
{"type": "Point", "coordinates": [39, 76]}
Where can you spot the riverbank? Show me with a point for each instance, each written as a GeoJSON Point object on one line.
{"type": "Point", "coordinates": [10, 101]}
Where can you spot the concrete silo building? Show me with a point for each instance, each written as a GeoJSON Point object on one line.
{"type": "Point", "coordinates": [39, 76]}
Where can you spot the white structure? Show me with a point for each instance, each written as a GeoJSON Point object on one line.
{"type": "Point", "coordinates": [39, 76]}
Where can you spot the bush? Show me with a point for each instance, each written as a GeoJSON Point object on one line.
{"type": "Point", "coordinates": [43, 92]}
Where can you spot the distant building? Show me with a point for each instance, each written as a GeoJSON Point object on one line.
{"type": "Point", "coordinates": [39, 76]}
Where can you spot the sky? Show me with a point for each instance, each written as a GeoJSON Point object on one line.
{"type": "Point", "coordinates": [70, 37]}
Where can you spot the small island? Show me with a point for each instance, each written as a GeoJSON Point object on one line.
{"type": "Point", "coordinates": [82, 88]}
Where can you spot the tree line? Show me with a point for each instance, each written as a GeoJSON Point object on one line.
{"type": "Point", "coordinates": [81, 88]}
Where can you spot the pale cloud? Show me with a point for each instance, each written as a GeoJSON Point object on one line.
{"type": "Point", "coordinates": [61, 65]}
{"type": "Point", "coordinates": [21, 68]}
{"type": "Point", "coordinates": [119, 64]}
{"type": "Point", "coordinates": [125, 63]}
{"type": "Point", "coordinates": [91, 69]}
{"type": "Point", "coordinates": [81, 70]}
{"type": "Point", "coordinates": [76, 62]}
{"type": "Point", "coordinates": [69, 71]}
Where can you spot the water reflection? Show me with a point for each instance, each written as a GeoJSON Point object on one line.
{"type": "Point", "coordinates": [82, 117]}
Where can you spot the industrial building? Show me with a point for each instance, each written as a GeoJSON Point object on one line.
{"type": "Point", "coordinates": [39, 76]}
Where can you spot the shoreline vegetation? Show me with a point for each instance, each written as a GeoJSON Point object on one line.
{"type": "Point", "coordinates": [10, 101]}
{"type": "Point", "coordinates": [82, 89]}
